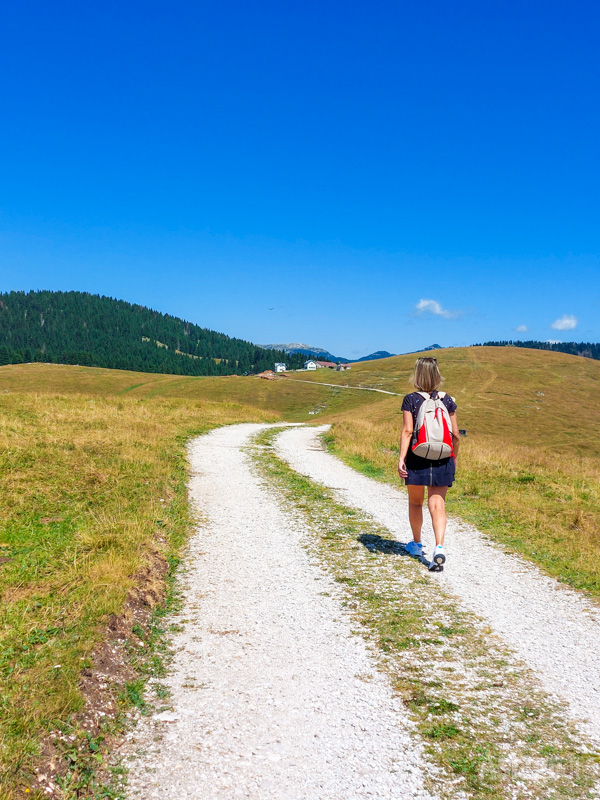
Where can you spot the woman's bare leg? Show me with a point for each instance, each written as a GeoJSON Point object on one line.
{"type": "Point", "coordinates": [436, 500]}
{"type": "Point", "coordinates": [416, 495]}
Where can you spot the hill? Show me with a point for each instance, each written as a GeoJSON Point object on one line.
{"type": "Point", "coordinates": [524, 473]}
{"type": "Point", "coordinates": [517, 394]}
{"type": "Point", "coordinates": [81, 328]}
{"type": "Point", "coordinates": [375, 356]}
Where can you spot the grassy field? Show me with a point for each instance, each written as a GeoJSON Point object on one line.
{"type": "Point", "coordinates": [94, 505]}
{"type": "Point", "coordinates": [292, 400]}
{"type": "Point", "coordinates": [92, 495]}
{"type": "Point", "coordinates": [529, 467]}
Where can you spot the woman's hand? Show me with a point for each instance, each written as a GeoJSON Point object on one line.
{"type": "Point", "coordinates": [402, 471]}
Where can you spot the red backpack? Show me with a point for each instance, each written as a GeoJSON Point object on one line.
{"type": "Point", "coordinates": [432, 438]}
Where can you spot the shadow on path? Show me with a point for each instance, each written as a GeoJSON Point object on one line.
{"type": "Point", "coordinates": [391, 547]}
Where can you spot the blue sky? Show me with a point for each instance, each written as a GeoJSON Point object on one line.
{"type": "Point", "coordinates": [358, 176]}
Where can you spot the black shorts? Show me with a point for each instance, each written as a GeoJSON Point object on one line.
{"type": "Point", "coordinates": [422, 472]}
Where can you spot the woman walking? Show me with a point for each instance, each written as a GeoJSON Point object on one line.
{"type": "Point", "coordinates": [419, 472]}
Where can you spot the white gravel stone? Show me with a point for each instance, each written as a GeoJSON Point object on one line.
{"type": "Point", "coordinates": [267, 700]}
{"type": "Point", "coordinates": [554, 629]}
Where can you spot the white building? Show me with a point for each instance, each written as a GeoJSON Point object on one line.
{"type": "Point", "coordinates": [280, 367]}
{"type": "Point", "coordinates": [310, 364]}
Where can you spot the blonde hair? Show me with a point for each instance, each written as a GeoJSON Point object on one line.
{"type": "Point", "coordinates": [426, 376]}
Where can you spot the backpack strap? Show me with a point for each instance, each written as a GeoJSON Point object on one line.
{"type": "Point", "coordinates": [426, 396]}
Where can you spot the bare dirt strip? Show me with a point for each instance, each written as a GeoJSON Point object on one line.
{"type": "Point", "coordinates": [555, 630]}
{"type": "Point", "coordinates": [272, 696]}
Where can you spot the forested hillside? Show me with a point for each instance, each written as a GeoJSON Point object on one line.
{"type": "Point", "coordinates": [586, 349]}
{"type": "Point", "coordinates": [80, 328]}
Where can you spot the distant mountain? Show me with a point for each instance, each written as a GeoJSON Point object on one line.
{"type": "Point", "coordinates": [293, 348]}
{"type": "Point", "coordinates": [94, 331]}
{"type": "Point", "coordinates": [424, 349]}
{"type": "Point", "coordinates": [385, 354]}
{"type": "Point", "coordinates": [324, 355]}
{"type": "Point", "coordinates": [375, 356]}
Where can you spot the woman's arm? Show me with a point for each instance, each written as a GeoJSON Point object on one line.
{"type": "Point", "coordinates": [455, 436]}
{"type": "Point", "coordinates": [407, 432]}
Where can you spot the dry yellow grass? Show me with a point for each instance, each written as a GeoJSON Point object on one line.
{"type": "Point", "coordinates": [281, 397]}
{"type": "Point", "coordinates": [93, 484]}
{"type": "Point", "coordinates": [92, 489]}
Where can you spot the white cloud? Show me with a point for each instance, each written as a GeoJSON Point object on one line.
{"type": "Point", "coordinates": [553, 341]}
{"type": "Point", "coordinates": [433, 307]}
{"type": "Point", "coordinates": [521, 328]}
{"type": "Point", "coordinates": [566, 323]}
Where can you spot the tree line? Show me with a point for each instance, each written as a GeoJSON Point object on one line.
{"type": "Point", "coordinates": [585, 349]}
{"type": "Point", "coordinates": [95, 331]}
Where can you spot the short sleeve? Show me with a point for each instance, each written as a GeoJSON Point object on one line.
{"type": "Point", "coordinates": [408, 404]}
{"type": "Point", "coordinates": [450, 404]}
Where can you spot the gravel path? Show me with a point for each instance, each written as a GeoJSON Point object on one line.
{"type": "Point", "coordinates": [272, 695]}
{"type": "Point", "coordinates": [554, 629]}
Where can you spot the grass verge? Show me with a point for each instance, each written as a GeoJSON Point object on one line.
{"type": "Point", "coordinates": [485, 724]}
